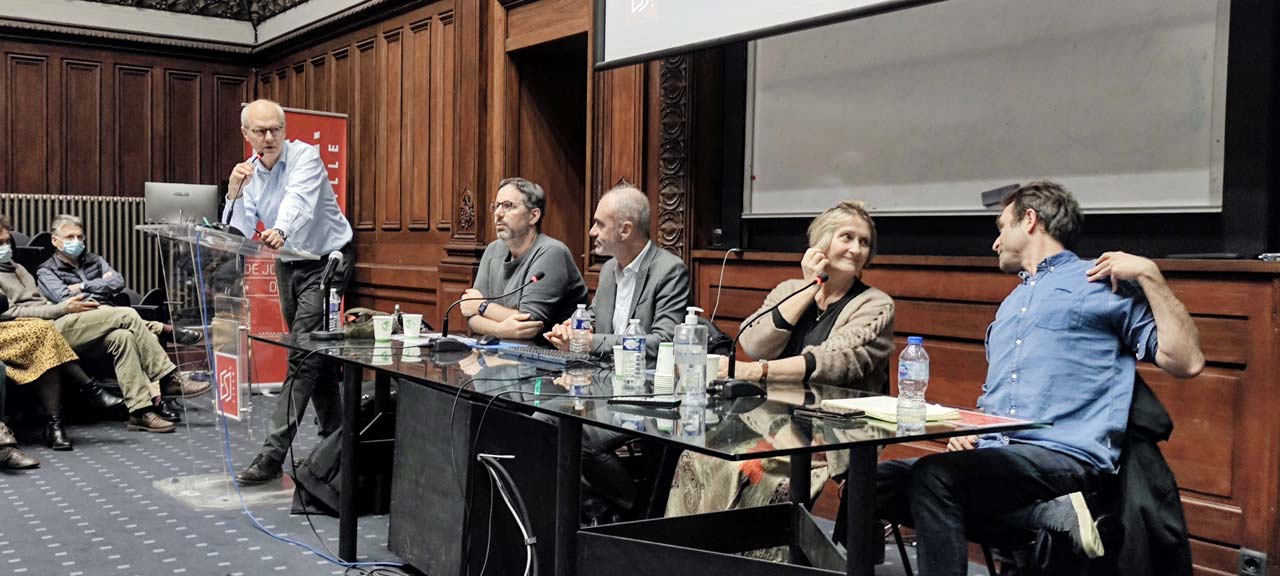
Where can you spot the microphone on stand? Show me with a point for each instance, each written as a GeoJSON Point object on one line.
{"type": "Point", "coordinates": [331, 330]}
{"type": "Point", "coordinates": [446, 344]}
{"type": "Point", "coordinates": [734, 388]}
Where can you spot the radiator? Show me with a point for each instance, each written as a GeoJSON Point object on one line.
{"type": "Point", "coordinates": [109, 223]}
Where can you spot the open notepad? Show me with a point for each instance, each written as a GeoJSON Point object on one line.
{"type": "Point", "coordinates": [886, 408]}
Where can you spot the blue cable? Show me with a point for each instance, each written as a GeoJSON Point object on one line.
{"type": "Point", "coordinates": [226, 436]}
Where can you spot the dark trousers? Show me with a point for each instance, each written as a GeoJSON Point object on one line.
{"type": "Point", "coordinates": [936, 494]}
{"type": "Point", "coordinates": [303, 303]}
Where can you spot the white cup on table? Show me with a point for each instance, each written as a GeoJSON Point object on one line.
{"type": "Point", "coordinates": [412, 325]}
{"type": "Point", "coordinates": [382, 328]}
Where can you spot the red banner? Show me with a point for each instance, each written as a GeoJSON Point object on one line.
{"type": "Point", "coordinates": [328, 132]}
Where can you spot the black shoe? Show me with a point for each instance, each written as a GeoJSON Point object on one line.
{"type": "Point", "coordinates": [101, 400]}
{"type": "Point", "coordinates": [170, 410]}
{"type": "Point", "coordinates": [54, 435]}
{"type": "Point", "coordinates": [263, 469]}
{"type": "Point", "coordinates": [186, 337]}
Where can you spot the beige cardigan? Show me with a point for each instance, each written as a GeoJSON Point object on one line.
{"type": "Point", "coordinates": [854, 355]}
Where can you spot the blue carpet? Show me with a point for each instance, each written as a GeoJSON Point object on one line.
{"type": "Point", "coordinates": [94, 511]}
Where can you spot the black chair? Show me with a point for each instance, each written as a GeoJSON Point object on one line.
{"type": "Point", "coordinates": [41, 240]}
{"type": "Point", "coordinates": [19, 238]}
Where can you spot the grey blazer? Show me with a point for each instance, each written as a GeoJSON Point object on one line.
{"type": "Point", "coordinates": [661, 295]}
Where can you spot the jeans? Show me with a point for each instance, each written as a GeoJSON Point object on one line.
{"type": "Point", "coordinates": [304, 306]}
{"type": "Point", "coordinates": [937, 493]}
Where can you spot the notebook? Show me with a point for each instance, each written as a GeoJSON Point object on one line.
{"type": "Point", "coordinates": [886, 408]}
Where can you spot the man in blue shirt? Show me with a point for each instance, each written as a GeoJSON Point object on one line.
{"type": "Point", "coordinates": [1062, 348]}
{"type": "Point", "coordinates": [286, 188]}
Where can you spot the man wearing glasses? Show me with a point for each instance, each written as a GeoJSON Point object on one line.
{"type": "Point", "coordinates": [521, 251]}
{"type": "Point", "coordinates": [284, 187]}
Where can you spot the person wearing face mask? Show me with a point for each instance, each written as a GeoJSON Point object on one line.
{"type": "Point", "coordinates": [839, 332]}
{"type": "Point", "coordinates": [118, 334]}
{"type": "Point", "coordinates": [73, 270]}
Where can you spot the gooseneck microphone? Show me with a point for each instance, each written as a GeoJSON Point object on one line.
{"type": "Point", "coordinates": [733, 388]}
{"type": "Point", "coordinates": [446, 344]}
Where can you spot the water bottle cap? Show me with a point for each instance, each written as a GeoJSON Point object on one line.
{"type": "Point", "coordinates": [582, 306]}
{"type": "Point", "coordinates": [634, 322]}
{"type": "Point", "coordinates": [915, 340]}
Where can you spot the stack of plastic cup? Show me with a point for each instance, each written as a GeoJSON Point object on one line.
{"type": "Point", "coordinates": [664, 378]}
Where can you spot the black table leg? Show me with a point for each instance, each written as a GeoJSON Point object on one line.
{"type": "Point", "coordinates": [568, 497]}
{"type": "Point", "coordinates": [801, 477]}
{"type": "Point", "coordinates": [351, 376]}
{"type": "Point", "coordinates": [381, 392]}
{"type": "Point", "coordinates": [860, 511]}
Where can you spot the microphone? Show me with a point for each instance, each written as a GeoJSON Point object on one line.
{"type": "Point", "coordinates": [331, 331]}
{"type": "Point", "coordinates": [446, 344]}
{"type": "Point", "coordinates": [257, 156]}
{"type": "Point", "coordinates": [733, 388]}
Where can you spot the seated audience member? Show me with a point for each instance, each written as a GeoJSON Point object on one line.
{"type": "Point", "coordinates": [142, 367]}
{"type": "Point", "coordinates": [520, 252]}
{"type": "Point", "coordinates": [838, 333]}
{"type": "Point", "coordinates": [640, 281]}
{"type": "Point", "coordinates": [73, 270]}
{"type": "Point", "coordinates": [1062, 348]}
{"type": "Point", "coordinates": [33, 354]}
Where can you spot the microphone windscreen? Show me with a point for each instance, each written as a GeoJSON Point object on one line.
{"type": "Point", "coordinates": [539, 276]}
{"type": "Point", "coordinates": [336, 255]}
{"type": "Point", "coordinates": [822, 278]}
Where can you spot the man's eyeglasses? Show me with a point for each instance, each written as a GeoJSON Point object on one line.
{"type": "Point", "coordinates": [262, 132]}
{"type": "Point", "coordinates": [505, 206]}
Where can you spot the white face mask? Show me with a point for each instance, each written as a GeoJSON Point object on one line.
{"type": "Point", "coordinates": [6, 253]}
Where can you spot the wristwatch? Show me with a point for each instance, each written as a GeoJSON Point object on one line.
{"type": "Point", "coordinates": [483, 306]}
{"type": "Point", "coordinates": [764, 370]}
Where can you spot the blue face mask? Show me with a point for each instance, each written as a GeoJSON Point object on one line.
{"type": "Point", "coordinates": [6, 253]}
{"type": "Point", "coordinates": [73, 248]}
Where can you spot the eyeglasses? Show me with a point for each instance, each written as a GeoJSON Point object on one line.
{"type": "Point", "coordinates": [505, 206]}
{"type": "Point", "coordinates": [262, 132]}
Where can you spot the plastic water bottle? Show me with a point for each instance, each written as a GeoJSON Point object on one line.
{"type": "Point", "coordinates": [691, 357]}
{"type": "Point", "coordinates": [333, 319]}
{"type": "Point", "coordinates": [580, 324]}
{"type": "Point", "coordinates": [913, 379]}
{"type": "Point", "coordinates": [633, 347]}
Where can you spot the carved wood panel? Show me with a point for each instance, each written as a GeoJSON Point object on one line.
{"type": "Point", "coordinates": [27, 150]}
{"type": "Point", "coordinates": [675, 119]}
{"type": "Point", "coordinates": [391, 115]}
{"type": "Point", "coordinates": [418, 70]}
{"type": "Point", "coordinates": [365, 141]}
{"type": "Point", "coordinates": [133, 129]}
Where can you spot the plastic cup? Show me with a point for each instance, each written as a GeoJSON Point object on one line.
{"type": "Point", "coordinates": [666, 360]}
{"type": "Point", "coordinates": [412, 325]}
{"type": "Point", "coordinates": [713, 366]}
{"type": "Point", "coordinates": [620, 365]}
{"type": "Point", "coordinates": [382, 328]}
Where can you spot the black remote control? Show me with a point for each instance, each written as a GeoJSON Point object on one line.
{"type": "Point", "coordinates": [666, 401]}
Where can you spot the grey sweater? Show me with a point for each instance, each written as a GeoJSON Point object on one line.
{"type": "Point", "coordinates": [553, 299]}
{"type": "Point", "coordinates": [25, 299]}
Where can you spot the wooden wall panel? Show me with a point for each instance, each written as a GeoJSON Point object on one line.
{"type": "Point", "coordinates": [95, 121]}
{"type": "Point", "coordinates": [182, 126]}
{"type": "Point", "coordinates": [28, 156]}
{"type": "Point", "coordinates": [133, 129]}
{"type": "Point", "coordinates": [418, 142]}
{"type": "Point", "coordinates": [229, 92]}
{"type": "Point", "coordinates": [82, 126]}
{"type": "Point", "coordinates": [1223, 449]}
{"type": "Point", "coordinates": [393, 79]}
{"type": "Point", "coordinates": [391, 115]}
{"type": "Point", "coordinates": [365, 142]}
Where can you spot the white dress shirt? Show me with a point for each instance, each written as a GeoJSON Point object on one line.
{"type": "Point", "coordinates": [294, 197]}
{"type": "Point", "coordinates": [627, 290]}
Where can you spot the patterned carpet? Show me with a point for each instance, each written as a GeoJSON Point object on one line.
{"type": "Point", "coordinates": [96, 511]}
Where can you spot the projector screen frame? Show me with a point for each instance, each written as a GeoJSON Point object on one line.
{"type": "Point", "coordinates": [599, 33]}
{"type": "Point", "coordinates": [1218, 145]}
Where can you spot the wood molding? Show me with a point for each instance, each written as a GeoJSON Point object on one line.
{"type": "Point", "coordinates": [675, 143]}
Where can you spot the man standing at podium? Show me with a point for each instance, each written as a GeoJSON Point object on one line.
{"type": "Point", "coordinates": [284, 187]}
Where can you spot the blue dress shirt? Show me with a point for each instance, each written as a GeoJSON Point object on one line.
{"type": "Point", "coordinates": [1064, 349]}
{"type": "Point", "coordinates": [295, 197]}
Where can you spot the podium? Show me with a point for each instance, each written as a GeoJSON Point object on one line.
{"type": "Point", "coordinates": [223, 286]}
